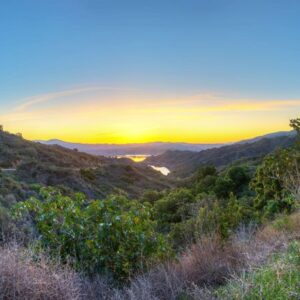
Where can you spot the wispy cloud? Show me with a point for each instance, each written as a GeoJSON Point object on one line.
{"type": "Point", "coordinates": [144, 102]}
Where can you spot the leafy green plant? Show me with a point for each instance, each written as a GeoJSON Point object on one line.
{"type": "Point", "coordinates": [276, 182]}
{"type": "Point", "coordinates": [173, 208]}
{"type": "Point", "coordinates": [113, 235]}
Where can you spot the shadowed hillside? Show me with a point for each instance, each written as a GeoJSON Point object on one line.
{"type": "Point", "coordinates": [96, 176]}
{"type": "Point", "coordinates": [184, 163]}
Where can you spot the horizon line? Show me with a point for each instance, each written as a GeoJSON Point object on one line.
{"type": "Point", "coordinates": [162, 142]}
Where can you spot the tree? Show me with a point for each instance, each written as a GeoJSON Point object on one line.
{"type": "Point", "coordinates": [206, 179]}
{"type": "Point", "coordinates": [238, 175]}
{"type": "Point", "coordinates": [206, 171]}
{"type": "Point", "coordinates": [151, 196]}
{"type": "Point", "coordinates": [223, 187]}
{"type": "Point", "coordinates": [276, 179]}
{"type": "Point", "coordinates": [295, 124]}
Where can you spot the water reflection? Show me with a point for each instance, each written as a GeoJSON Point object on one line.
{"type": "Point", "coordinates": [163, 170]}
{"type": "Point", "coordinates": [141, 157]}
{"type": "Point", "coordinates": [136, 158]}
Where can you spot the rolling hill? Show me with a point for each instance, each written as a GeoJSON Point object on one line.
{"type": "Point", "coordinates": [155, 148]}
{"type": "Point", "coordinates": [26, 162]}
{"type": "Point", "coordinates": [184, 163]}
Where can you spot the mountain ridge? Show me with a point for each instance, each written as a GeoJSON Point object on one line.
{"type": "Point", "coordinates": [150, 148]}
{"type": "Point", "coordinates": [185, 163]}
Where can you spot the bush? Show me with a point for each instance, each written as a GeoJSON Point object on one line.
{"type": "Point", "coordinates": [6, 225]}
{"type": "Point", "coordinates": [276, 182]}
{"type": "Point", "coordinates": [114, 235]}
{"type": "Point", "coordinates": [87, 174]}
{"type": "Point", "coordinates": [206, 178]}
{"type": "Point", "coordinates": [175, 207]}
{"type": "Point", "coordinates": [224, 217]}
{"type": "Point", "coordinates": [151, 196]}
{"type": "Point", "coordinates": [209, 262]}
{"type": "Point", "coordinates": [223, 187]}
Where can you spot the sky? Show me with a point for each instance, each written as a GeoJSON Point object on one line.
{"type": "Point", "coordinates": [115, 71]}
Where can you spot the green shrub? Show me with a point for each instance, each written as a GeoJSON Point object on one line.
{"type": "Point", "coordinates": [223, 187]}
{"type": "Point", "coordinates": [6, 224]}
{"type": "Point", "coordinates": [175, 207]}
{"type": "Point", "coordinates": [114, 235]}
{"type": "Point", "coordinates": [276, 182]}
{"type": "Point", "coordinates": [151, 196]}
{"type": "Point", "coordinates": [87, 174]}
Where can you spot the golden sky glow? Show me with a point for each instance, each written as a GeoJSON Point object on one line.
{"type": "Point", "coordinates": [109, 115]}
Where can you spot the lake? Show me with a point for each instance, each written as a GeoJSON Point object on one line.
{"type": "Point", "coordinates": [141, 157]}
{"type": "Point", "coordinates": [163, 170]}
{"type": "Point", "coordinates": [135, 157]}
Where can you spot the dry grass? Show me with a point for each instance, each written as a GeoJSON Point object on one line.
{"type": "Point", "coordinates": [271, 238]}
{"type": "Point", "coordinates": [209, 262]}
{"type": "Point", "coordinates": [22, 278]}
{"type": "Point", "coordinates": [98, 288]}
{"type": "Point", "coordinates": [295, 224]}
{"type": "Point", "coordinates": [262, 245]}
{"type": "Point", "coordinates": [164, 282]}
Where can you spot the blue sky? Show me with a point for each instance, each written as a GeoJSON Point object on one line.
{"type": "Point", "coordinates": [240, 49]}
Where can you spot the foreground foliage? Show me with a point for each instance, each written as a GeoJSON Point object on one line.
{"type": "Point", "coordinates": [214, 220]}
{"type": "Point", "coordinates": [276, 182]}
{"type": "Point", "coordinates": [114, 235]}
{"type": "Point", "coordinates": [279, 279]}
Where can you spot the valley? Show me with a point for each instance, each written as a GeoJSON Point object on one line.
{"type": "Point", "coordinates": [149, 150]}
{"type": "Point", "coordinates": [118, 213]}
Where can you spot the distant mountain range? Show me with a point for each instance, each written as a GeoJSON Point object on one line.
{"type": "Point", "coordinates": [291, 133]}
{"type": "Point", "coordinates": [25, 162]}
{"type": "Point", "coordinates": [155, 148]}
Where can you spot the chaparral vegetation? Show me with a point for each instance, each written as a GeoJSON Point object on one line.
{"type": "Point", "coordinates": [77, 226]}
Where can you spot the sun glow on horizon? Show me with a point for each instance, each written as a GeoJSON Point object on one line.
{"type": "Point", "coordinates": [108, 115]}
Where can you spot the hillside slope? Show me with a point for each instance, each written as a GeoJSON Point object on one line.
{"type": "Point", "coordinates": [96, 176]}
{"type": "Point", "coordinates": [184, 163]}
{"type": "Point", "coordinates": [15, 151]}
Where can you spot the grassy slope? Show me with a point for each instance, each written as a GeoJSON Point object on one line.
{"type": "Point", "coordinates": [278, 279]}
{"type": "Point", "coordinates": [277, 276]}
